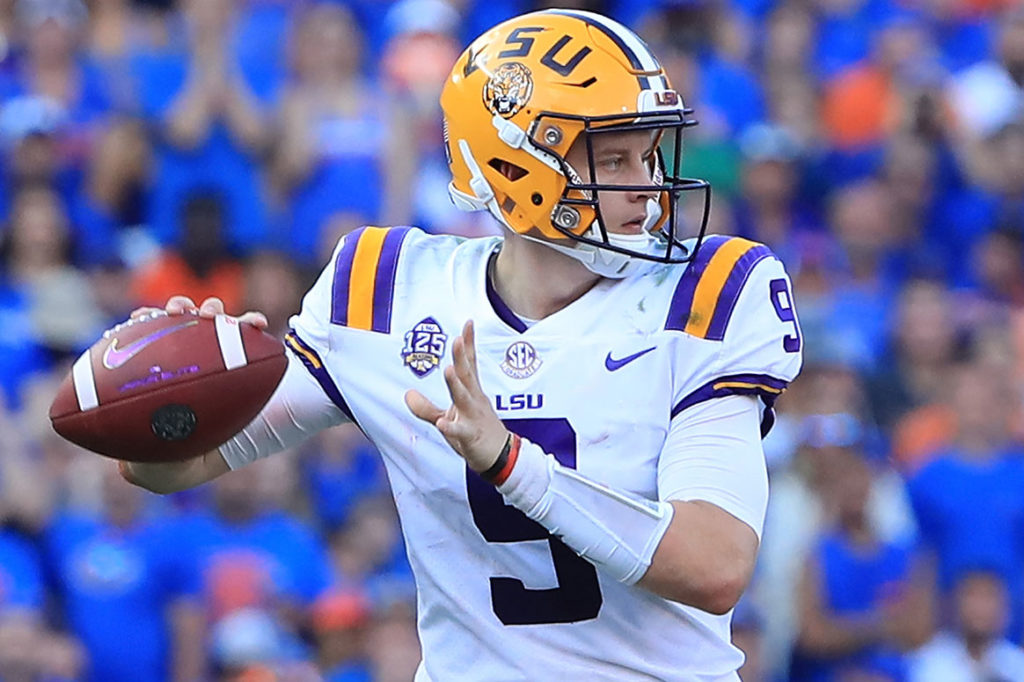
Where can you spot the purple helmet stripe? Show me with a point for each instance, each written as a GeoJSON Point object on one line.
{"type": "Point", "coordinates": [639, 55]}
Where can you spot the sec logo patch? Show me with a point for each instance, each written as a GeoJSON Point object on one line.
{"type": "Point", "coordinates": [521, 360]}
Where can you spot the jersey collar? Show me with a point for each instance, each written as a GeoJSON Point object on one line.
{"type": "Point", "coordinates": [499, 306]}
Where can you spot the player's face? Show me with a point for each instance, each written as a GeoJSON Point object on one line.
{"type": "Point", "coordinates": [625, 158]}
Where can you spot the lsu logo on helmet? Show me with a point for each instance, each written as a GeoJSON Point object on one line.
{"type": "Point", "coordinates": [508, 89]}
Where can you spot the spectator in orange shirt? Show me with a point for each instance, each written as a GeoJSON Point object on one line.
{"type": "Point", "coordinates": [202, 267]}
{"type": "Point", "coordinates": [864, 102]}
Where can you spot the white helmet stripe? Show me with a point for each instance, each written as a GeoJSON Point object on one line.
{"type": "Point", "coordinates": [635, 49]}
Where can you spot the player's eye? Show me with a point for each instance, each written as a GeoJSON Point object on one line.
{"type": "Point", "coordinates": [611, 163]}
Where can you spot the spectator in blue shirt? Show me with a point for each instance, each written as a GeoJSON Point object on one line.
{"type": "Point", "coordinates": [212, 112]}
{"type": "Point", "coordinates": [54, 71]}
{"type": "Point", "coordinates": [996, 201]}
{"type": "Point", "coordinates": [123, 593]}
{"type": "Point", "coordinates": [341, 468]}
{"type": "Point", "coordinates": [861, 603]}
{"type": "Point", "coordinates": [861, 219]}
{"type": "Point", "coordinates": [54, 107]}
{"type": "Point", "coordinates": [968, 500]}
{"type": "Point", "coordinates": [21, 576]}
{"type": "Point", "coordinates": [771, 209]}
{"type": "Point", "coordinates": [845, 30]}
{"type": "Point", "coordinates": [341, 150]}
{"type": "Point", "coordinates": [248, 554]}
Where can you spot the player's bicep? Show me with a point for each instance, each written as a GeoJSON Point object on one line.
{"type": "Point", "coordinates": [299, 408]}
{"type": "Point", "coordinates": [713, 453]}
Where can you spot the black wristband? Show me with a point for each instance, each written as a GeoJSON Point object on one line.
{"type": "Point", "coordinates": [499, 464]}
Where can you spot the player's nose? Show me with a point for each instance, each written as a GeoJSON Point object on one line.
{"type": "Point", "coordinates": [640, 178]}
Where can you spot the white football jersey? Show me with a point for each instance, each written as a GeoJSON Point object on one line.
{"type": "Point", "coordinates": [596, 385]}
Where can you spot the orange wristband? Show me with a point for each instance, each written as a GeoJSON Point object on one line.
{"type": "Point", "coordinates": [499, 472]}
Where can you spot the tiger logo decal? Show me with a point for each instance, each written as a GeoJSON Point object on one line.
{"type": "Point", "coordinates": [508, 89]}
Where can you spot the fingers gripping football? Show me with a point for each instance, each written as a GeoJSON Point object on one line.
{"type": "Point", "coordinates": [211, 307]}
{"type": "Point", "coordinates": [470, 424]}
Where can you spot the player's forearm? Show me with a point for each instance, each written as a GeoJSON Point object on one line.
{"type": "Point", "coordinates": [171, 477]}
{"type": "Point", "coordinates": [705, 559]}
{"type": "Point", "coordinates": [702, 558]}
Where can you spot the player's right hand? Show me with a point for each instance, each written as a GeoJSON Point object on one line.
{"type": "Point", "coordinates": [211, 307]}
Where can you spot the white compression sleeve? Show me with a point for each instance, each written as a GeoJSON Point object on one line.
{"type": "Point", "coordinates": [713, 453]}
{"type": "Point", "coordinates": [616, 531]}
{"type": "Point", "coordinates": [297, 410]}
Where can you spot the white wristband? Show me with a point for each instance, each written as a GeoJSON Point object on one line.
{"type": "Point", "coordinates": [616, 531]}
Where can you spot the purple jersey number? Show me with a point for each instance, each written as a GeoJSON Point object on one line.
{"type": "Point", "coordinates": [578, 595]}
{"type": "Point", "coordinates": [783, 302]}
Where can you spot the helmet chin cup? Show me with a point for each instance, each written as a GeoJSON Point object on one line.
{"type": "Point", "coordinates": [605, 262]}
{"type": "Point", "coordinates": [599, 261]}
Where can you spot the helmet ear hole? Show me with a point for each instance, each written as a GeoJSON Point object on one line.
{"type": "Point", "coordinates": [508, 169]}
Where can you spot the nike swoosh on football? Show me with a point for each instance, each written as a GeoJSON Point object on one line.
{"type": "Point", "coordinates": [611, 364]}
{"type": "Point", "coordinates": [114, 357]}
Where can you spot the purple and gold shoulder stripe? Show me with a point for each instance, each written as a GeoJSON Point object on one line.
{"type": "Point", "coordinates": [707, 292]}
{"type": "Point", "coordinates": [315, 365]}
{"type": "Point", "coordinates": [364, 278]}
{"type": "Point", "coordinates": [764, 386]}
{"type": "Point", "coordinates": [767, 387]}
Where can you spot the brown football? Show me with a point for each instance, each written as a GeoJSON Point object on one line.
{"type": "Point", "coordinates": [165, 388]}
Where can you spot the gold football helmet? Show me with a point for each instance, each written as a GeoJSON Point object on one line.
{"type": "Point", "coordinates": [524, 92]}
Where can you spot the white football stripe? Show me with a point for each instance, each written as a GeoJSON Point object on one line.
{"type": "Point", "coordinates": [229, 337]}
{"type": "Point", "coordinates": [85, 383]}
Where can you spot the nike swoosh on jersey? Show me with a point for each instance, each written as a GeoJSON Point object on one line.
{"type": "Point", "coordinates": [114, 357]}
{"type": "Point", "coordinates": [611, 364]}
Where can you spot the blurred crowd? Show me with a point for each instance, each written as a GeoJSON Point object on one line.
{"type": "Point", "coordinates": [220, 147]}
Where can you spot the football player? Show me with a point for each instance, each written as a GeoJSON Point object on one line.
{"type": "Point", "coordinates": [578, 467]}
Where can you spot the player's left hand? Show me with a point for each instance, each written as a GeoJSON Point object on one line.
{"type": "Point", "coordinates": [470, 425]}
